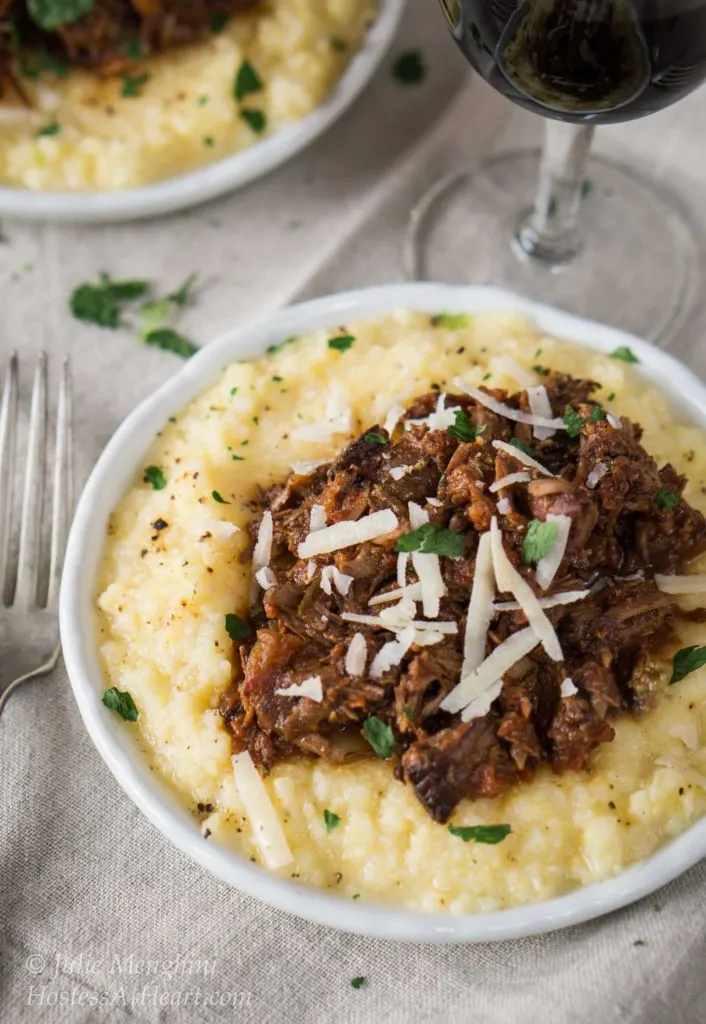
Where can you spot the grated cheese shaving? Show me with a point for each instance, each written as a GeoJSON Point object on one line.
{"type": "Point", "coordinates": [310, 569]}
{"type": "Point", "coordinates": [441, 419]}
{"type": "Point", "coordinates": [427, 567]}
{"type": "Point", "coordinates": [615, 423]}
{"type": "Point", "coordinates": [447, 628]}
{"type": "Point", "coordinates": [311, 688]}
{"type": "Point", "coordinates": [568, 687]}
{"type": "Point", "coordinates": [391, 653]}
{"type": "Point", "coordinates": [263, 545]}
{"type": "Point", "coordinates": [548, 566]}
{"type": "Point", "coordinates": [512, 369]}
{"type": "Point", "coordinates": [480, 608]}
{"type": "Point", "coordinates": [567, 597]}
{"type": "Point", "coordinates": [480, 705]}
{"type": "Point", "coordinates": [397, 472]}
{"type": "Point", "coordinates": [317, 520]}
{"type": "Point", "coordinates": [694, 584]}
{"type": "Point", "coordinates": [505, 655]}
{"type": "Point", "coordinates": [523, 457]}
{"type": "Point", "coordinates": [507, 411]}
{"type": "Point", "coordinates": [596, 475]}
{"type": "Point", "coordinates": [346, 534]}
{"type": "Point", "coordinates": [504, 506]}
{"type": "Point", "coordinates": [508, 578]}
{"type": "Point", "coordinates": [511, 478]}
{"type": "Point", "coordinates": [331, 575]}
{"type": "Point", "coordinates": [394, 415]}
{"type": "Point", "coordinates": [434, 502]}
{"type": "Point", "coordinates": [402, 562]}
{"type": "Point", "coordinates": [305, 468]}
{"type": "Point", "coordinates": [356, 655]}
{"type": "Point", "coordinates": [540, 406]}
{"type": "Point", "coordinates": [267, 828]}
{"type": "Point", "coordinates": [265, 577]}
{"type": "Point", "coordinates": [413, 591]}
{"type": "Point", "coordinates": [339, 418]}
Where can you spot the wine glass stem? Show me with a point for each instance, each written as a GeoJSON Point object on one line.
{"type": "Point", "coordinates": [550, 232]}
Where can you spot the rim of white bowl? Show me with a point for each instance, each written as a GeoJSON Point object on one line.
{"type": "Point", "coordinates": [117, 468]}
{"type": "Point", "coordinates": [226, 175]}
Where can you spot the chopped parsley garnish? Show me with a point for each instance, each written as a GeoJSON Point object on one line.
{"type": "Point", "coordinates": [168, 340]}
{"type": "Point", "coordinates": [237, 628]}
{"type": "Point", "coordinates": [271, 349]}
{"type": "Point", "coordinates": [490, 834]}
{"type": "Point", "coordinates": [357, 982]}
{"type": "Point", "coordinates": [521, 446]}
{"type": "Point", "coordinates": [331, 820]}
{"type": "Point", "coordinates": [133, 49]}
{"type": "Point", "coordinates": [686, 661]}
{"type": "Point", "coordinates": [218, 22]}
{"type": "Point", "coordinates": [487, 376]}
{"type": "Point", "coordinates": [156, 314]}
{"type": "Point", "coordinates": [573, 421]}
{"type": "Point", "coordinates": [51, 14]}
{"type": "Point", "coordinates": [217, 497]}
{"type": "Point", "coordinates": [379, 735]}
{"type": "Point", "coordinates": [409, 68]}
{"type": "Point", "coordinates": [53, 128]}
{"type": "Point", "coordinates": [233, 391]}
{"type": "Point", "coordinates": [247, 81]}
{"type": "Point", "coordinates": [277, 379]}
{"type": "Point", "coordinates": [339, 45]}
{"type": "Point", "coordinates": [538, 540]}
{"type": "Point", "coordinates": [236, 458]}
{"type": "Point", "coordinates": [155, 476]}
{"type": "Point", "coordinates": [32, 66]}
{"type": "Point", "coordinates": [586, 187]}
{"type": "Point", "coordinates": [667, 499]}
{"type": "Point", "coordinates": [625, 353]}
{"type": "Point", "coordinates": [101, 303]}
{"type": "Point", "coordinates": [432, 540]}
{"type": "Point", "coordinates": [451, 321]}
{"type": "Point", "coordinates": [611, 397]}
{"type": "Point", "coordinates": [408, 713]}
{"type": "Point", "coordinates": [134, 84]}
{"type": "Point", "coordinates": [463, 429]}
{"type": "Point", "coordinates": [254, 118]}
{"type": "Point", "coordinates": [202, 101]}
{"type": "Point", "coordinates": [342, 342]}
{"type": "Point", "coordinates": [540, 369]}
{"type": "Point", "coordinates": [596, 415]}
{"type": "Point", "coordinates": [181, 295]}
{"type": "Point", "coordinates": [374, 438]}
{"type": "Point", "coordinates": [208, 141]}
{"type": "Point", "coordinates": [122, 702]}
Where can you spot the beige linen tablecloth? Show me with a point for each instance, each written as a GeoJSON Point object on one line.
{"type": "Point", "coordinates": [95, 906]}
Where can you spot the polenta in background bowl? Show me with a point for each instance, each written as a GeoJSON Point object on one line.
{"type": "Point", "coordinates": [176, 128]}
{"type": "Point", "coordinates": [150, 581]}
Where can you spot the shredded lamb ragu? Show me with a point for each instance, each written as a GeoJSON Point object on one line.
{"type": "Point", "coordinates": [623, 530]}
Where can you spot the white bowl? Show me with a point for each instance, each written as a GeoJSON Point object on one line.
{"type": "Point", "coordinates": [223, 175]}
{"type": "Point", "coordinates": [116, 471]}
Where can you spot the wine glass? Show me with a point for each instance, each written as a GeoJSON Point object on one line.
{"type": "Point", "coordinates": [595, 238]}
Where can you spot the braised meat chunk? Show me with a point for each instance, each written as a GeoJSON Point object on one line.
{"type": "Point", "coordinates": [469, 596]}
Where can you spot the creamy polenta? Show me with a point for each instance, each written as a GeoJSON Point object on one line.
{"type": "Point", "coordinates": [172, 570]}
{"type": "Point", "coordinates": [177, 112]}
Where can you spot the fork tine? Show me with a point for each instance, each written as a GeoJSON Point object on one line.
{"type": "Point", "coordinates": [62, 504]}
{"type": "Point", "coordinates": [8, 433]}
{"type": "Point", "coordinates": [34, 487]}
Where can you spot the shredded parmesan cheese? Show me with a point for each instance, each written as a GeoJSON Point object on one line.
{"type": "Point", "coordinates": [505, 655]}
{"type": "Point", "coordinates": [397, 472]}
{"type": "Point", "coordinates": [413, 591]}
{"type": "Point", "coordinates": [540, 406]}
{"type": "Point", "coordinates": [305, 468]}
{"type": "Point", "coordinates": [265, 577]}
{"type": "Point", "coordinates": [263, 545]}
{"type": "Point", "coordinates": [504, 506]}
{"type": "Point", "coordinates": [548, 566]}
{"type": "Point", "coordinates": [317, 520]}
{"type": "Point", "coordinates": [310, 569]}
{"type": "Point", "coordinates": [507, 411]}
{"type": "Point", "coordinates": [417, 516]}
{"type": "Point", "coordinates": [523, 457]}
{"type": "Point", "coordinates": [356, 655]}
{"type": "Point", "coordinates": [391, 653]}
{"type": "Point", "coordinates": [568, 688]}
{"type": "Point", "coordinates": [508, 578]}
{"type": "Point", "coordinates": [427, 567]}
{"type": "Point", "coordinates": [441, 419]}
{"type": "Point", "coordinates": [615, 423]}
{"type": "Point", "coordinates": [346, 534]}
{"type": "Point", "coordinates": [596, 475]}
{"type": "Point", "coordinates": [567, 597]}
{"type": "Point", "coordinates": [512, 369]}
{"type": "Point", "coordinates": [447, 628]}
{"type": "Point", "coordinates": [480, 705]}
{"type": "Point", "coordinates": [311, 688]}
{"type": "Point", "coordinates": [511, 478]}
{"type": "Point", "coordinates": [393, 417]}
{"type": "Point", "coordinates": [695, 584]}
{"type": "Point", "coordinates": [434, 502]}
{"type": "Point", "coordinates": [402, 562]}
{"type": "Point", "coordinates": [267, 828]}
{"type": "Point", "coordinates": [480, 608]}
{"type": "Point", "coordinates": [331, 575]}
{"type": "Point", "coordinates": [339, 418]}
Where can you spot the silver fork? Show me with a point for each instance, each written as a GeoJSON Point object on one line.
{"type": "Point", "coordinates": [29, 593]}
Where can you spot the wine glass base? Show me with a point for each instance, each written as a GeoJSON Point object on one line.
{"type": "Point", "coordinates": [637, 262]}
